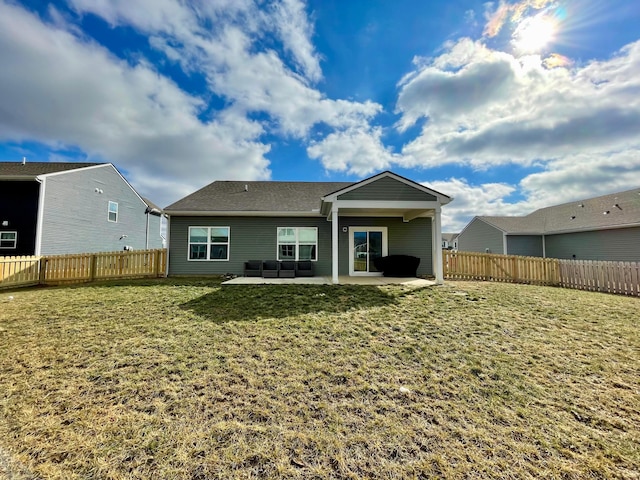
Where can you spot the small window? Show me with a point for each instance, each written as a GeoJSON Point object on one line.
{"type": "Point", "coordinates": [113, 212]}
{"type": "Point", "coordinates": [209, 243]}
{"type": "Point", "coordinates": [297, 243]}
{"type": "Point", "coordinates": [8, 239]}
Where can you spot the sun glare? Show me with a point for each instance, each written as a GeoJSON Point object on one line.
{"type": "Point", "coordinates": [533, 34]}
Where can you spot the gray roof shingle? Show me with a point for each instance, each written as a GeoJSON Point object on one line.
{"type": "Point", "coordinates": [33, 169]}
{"type": "Point", "coordinates": [623, 209]}
{"type": "Point", "coordinates": [231, 196]}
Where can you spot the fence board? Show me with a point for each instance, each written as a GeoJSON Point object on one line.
{"type": "Point", "coordinates": [85, 267]}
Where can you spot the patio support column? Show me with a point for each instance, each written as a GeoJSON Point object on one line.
{"type": "Point", "coordinates": [334, 244]}
{"type": "Point", "coordinates": [436, 232]}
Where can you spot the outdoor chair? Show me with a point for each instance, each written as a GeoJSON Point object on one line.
{"type": "Point", "coordinates": [287, 269]}
{"type": "Point", "coordinates": [270, 268]}
{"type": "Point", "coordinates": [253, 268]}
{"type": "Point", "coordinates": [304, 268]}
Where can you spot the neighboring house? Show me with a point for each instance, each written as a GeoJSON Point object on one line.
{"type": "Point", "coordinates": [600, 228]}
{"type": "Point", "coordinates": [49, 208]}
{"type": "Point", "coordinates": [339, 226]}
{"type": "Point", "coordinates": [449, 241]}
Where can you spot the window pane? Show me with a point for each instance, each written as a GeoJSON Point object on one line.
{"type": "Point", "coordinates": [286, 252]}
{"type": "Point", "coordinates": [113, 207]}
{"type": "Point", "coordinates": [307, 235]}
{"type": "Point", "coordinates": [307, 252]}
{"type": "Point", "coordinates": [286, 235]}
{"type": "Point", "coordinates": [198, 235]}
{"type": "Point", "coordinates": [198, 252]}
{"type": "Point", "coordinates": [113, 216]}
{"type": "Point", "coordinates": [218, 252]}
{"type": "Point", "coordinates": [219, 234]}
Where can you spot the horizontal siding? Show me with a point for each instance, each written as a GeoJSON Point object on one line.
{"type": "Point", "coordinates": [480, 236]}
{"type": "Point", "coordinates": [75, 215]}
{"type": "Point", "coordinates": [524, 245]}
{"type": "Point", "coordinates": [387, 189]}
{"type": "Point", "coordinates": [254, 238]}
{"type": "Point", "coordinates": [619, 245]}
{"type": "Point", "coordinates": [251, 238]}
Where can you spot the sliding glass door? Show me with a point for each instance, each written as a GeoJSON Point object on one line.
{"type": "Point", "coordinates": [366, 244]}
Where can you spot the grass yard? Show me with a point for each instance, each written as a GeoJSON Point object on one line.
{"type": "Point", "coordinates": [184, 379]}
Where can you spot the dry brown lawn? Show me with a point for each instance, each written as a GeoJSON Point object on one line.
{"type": "Point", "coordinates": [186, 379]}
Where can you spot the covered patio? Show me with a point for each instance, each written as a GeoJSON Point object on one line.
{"type": "Point", "coordinates": [323, 280]}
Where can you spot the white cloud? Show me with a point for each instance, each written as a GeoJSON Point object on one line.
{"type": "Point", "coordinates": [470, 200]}
{"type": "Point", "coordinates": [356, 151]}
{"type": "Point", "coordinates": [295, 30]}
{"type": "Point", "coordinates": [65, 91]}
{"type": "Point", "coordinates": [486, 108]}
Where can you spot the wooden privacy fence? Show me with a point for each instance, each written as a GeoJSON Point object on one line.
{"type": "Point", "coordinates": [500, 268]}
{"type": "Point", "coordinates": [85, 267]}
{"type": "Point", "coordinates": [609, 277]}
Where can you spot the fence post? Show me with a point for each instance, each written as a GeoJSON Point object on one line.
{"type": "Point", "coordinates": [93, 265]}
{"type": "Point", "coordinates": [156, 262]}
{"type": "Point", "coordinates": [42, 274]}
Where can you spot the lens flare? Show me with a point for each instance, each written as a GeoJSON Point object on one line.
{"type": "Point", "coordinates": [533, 34]}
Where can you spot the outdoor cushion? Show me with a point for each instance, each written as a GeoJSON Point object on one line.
{"type": "Point", "coordinates": [270, 268]}
{"type": "Point", "coordinates": [287, 269]}
{"type": "Point", "coordinates": [253, 268]}
{"type": "Point", "coordinates": [397, 265]}
{"type": "Point", "coordinates": [304, 268]}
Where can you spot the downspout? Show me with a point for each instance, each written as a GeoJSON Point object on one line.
{"type": "Point", "coordinates": [166, 273]}
{"type": "Point", "coordinates": [544, 246]}
{"type": "Point", "coordinates": [146, 243]}
{"type": "Point", "coordinates": [40, 216]}
{"type": "Point", "coordinates": [504, 244]}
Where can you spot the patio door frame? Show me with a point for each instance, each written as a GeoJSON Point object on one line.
{"type": "Point", "coordinates": [385, 249]}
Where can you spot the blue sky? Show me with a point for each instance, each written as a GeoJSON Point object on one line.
{"type": "Point", "coordinates": [506, 106]}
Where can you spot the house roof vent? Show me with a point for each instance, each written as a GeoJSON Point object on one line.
{"type": "Point", "coordinates": [24, 160]}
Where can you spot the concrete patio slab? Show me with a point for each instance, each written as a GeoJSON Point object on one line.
{"type": "Point", "coordinates": [409, 281]}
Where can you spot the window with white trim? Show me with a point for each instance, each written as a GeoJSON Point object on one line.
{"type": "Point", "coordinates": [297, 243]}
{"type": "Point", "coordinates": [209, 243]}
{"type": "Point", "coordinates": [8, 239]}
{"type": "Point", "coordinates": [113, 212]}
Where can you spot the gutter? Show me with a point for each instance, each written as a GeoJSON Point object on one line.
{"type": "Point", "coordinates": [228, 213]}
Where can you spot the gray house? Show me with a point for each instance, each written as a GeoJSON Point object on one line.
{"type": "Point", "coordinates": [600, 228]}
{"type": "Point", "coordinates": [339, 226]}
{"type": "Point", "coordinates": [49, 208]}
{"type": "Point", "coordinates": [450, 241]}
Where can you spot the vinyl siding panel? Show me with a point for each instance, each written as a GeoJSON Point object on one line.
{"type": "Point", "coordinates": [387, 189]}
{"type": "Point", "coordinates": [19, 207]}
{"type": "Point", "coordinates": [525, 245]}
{"type": "Point", "coordinates": [155, 237]}
{"type": "Point", "coordinates": [620, 245]}
{"type": "Point", "coordinates": [250, 238]}
{"type": "Point", "coordinates": [479, 236]}
{"type": "Point", "coordinates": [75, 215]}
{"type": "Point", "coordinates": [254, 238]}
